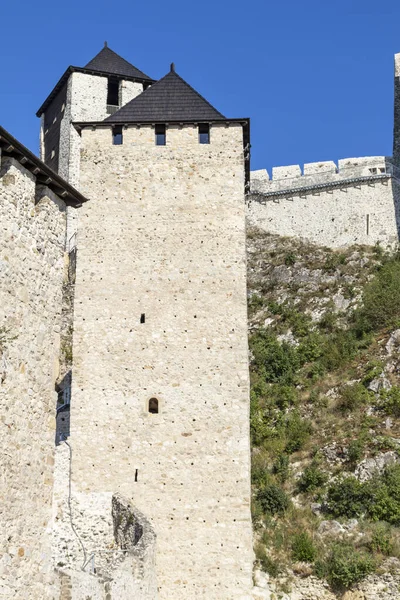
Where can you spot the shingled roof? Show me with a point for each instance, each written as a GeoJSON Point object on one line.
{"type": "Point", "coordinates": [170, 99]}
{"type": "Point", "coordinates": [105, 63]}
{"type": "Point", "coordinates": [108, 61]}
{"type": "Point", "coordinates": [12, 148]}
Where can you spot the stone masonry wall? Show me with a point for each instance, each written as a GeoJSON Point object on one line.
{"type": "Point", "coordinates": [163, 240]}
{"type": "Point", "coordinates": [86, 101]}
{"type": "Point", "coordinates": [356, 203]}
{"type": "Point", "coordinates": [32, 224]}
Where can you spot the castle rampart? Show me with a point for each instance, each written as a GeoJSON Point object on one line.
{"type": "Point", "coordinates": [354, 202]}
{"type": "Point", "coordinates": [32, 222]}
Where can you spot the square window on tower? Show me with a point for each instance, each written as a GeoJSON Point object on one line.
{"type": "Point", "coordinates": [117, 135]}
{"type": "Point", "coordinates": [204, 133]}
{"type": "Point", "coordinates": [161, 137]}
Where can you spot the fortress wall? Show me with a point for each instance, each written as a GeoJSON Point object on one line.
{"type": "Point", "coordinates": [32, 223]}
{"type": "Point", "coordinates": [164, 236]}
{"type": "Point", "coordinates": [340, 212]}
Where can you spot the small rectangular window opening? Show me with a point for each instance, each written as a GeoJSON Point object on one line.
{"type": "Point", "coordinates": [161, 138]}
{"type": "Point", "coordinates": [117, 135]}
{"type": "Point", "coordinates": [113, 91]}
{"type": "Point", "coordinates": [143, 318]}
{"type": "Point", "coordinates": [136, 475]}
{"type": "Point", "coordinates": [204, 133]}
{"type": "Point", "coordinates": [367, 224]}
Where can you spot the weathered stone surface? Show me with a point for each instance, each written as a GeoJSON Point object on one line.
{"type": "Point", "coordinates": [376, 465]}
{"type": "Point", "coordinates": [354, 213]}
{"type": "Point", "coordinates": [164, 236]}
{"type": "Point", "coordinates": [31, 275]}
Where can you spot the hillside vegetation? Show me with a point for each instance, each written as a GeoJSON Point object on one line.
{"type": "Point", "coordinates": [325, 402]}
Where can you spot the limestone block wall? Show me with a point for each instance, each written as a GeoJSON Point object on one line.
{"type": "Point", "coordinates": [356, 202]}
{"type": "Point", "coordinates": [32, 224]}
{"type": "Point", "coordinates": [86, 101]}
{"type": "Point", "coordinates": [160, 311]}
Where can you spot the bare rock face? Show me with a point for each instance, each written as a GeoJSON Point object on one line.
{"type": "Point", "coordinates": [369, 467]}
{"type": "Point", "coordinates": [393, 342]}
{"type": "Point", "coordinates": [127, 529]}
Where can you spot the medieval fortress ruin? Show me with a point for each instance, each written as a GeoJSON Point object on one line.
{"type": "Point", "coordinates": [124, 383]}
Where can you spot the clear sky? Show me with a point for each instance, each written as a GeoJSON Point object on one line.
{"type": "Point", "coordinates": [314, 76]}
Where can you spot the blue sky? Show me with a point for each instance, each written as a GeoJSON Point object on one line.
{"type": "Point", "coordinates": [315, 77]}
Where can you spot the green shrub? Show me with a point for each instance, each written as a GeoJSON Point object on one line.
{"type": "Point", "coordinates": [384, 496]}
{"type": "Point", "coordinates": [391, 401]}
{"type": "Point", "coordinates": [259, 468]}
{"type": "Point", "coordinates": [338, 349]}
{"type": "Point", "coordinates": [297, 432]}
{"type": "Point", "coordinates": [255, 302]}
{"type": "Point", "coordinates": [290, 259]}
{"type": "Point", "coordinates": [311, 478]}
{"type": "Point", "coordinates": [328, 321]}
{"type": "Point", "coordinates": [355, 451]}
{"type": "Point", "coordinates": [303, 549]}
{"type": "Point", "coordinates": [373, 370]}
{"type": "Point", "coordinates": [347, 498]}
{"type": "Point", "coordinates": [347, 566]}
{"type": "Point", "coordinates": [273, 499]}
{"type": "Point", "coordinates": [283, 395]}
{"type": "Point", "coordinates": [381, 540]}
{"type": "Point", "coordinates": [378, 498]}
{"type": "Point", "coordinates": [333, 260]}
{"type": "Point", "coordinates": [381, 300]}
{"type": "Point", "coordinates": [275, 362]}
{"type": "Point", "coordinates": [267, 564]}
{"type": "Point", "coordinates": [311, 348]}
{"type": "Point", "coordinates": [281, 467]}
{"type": "Point", "coordinates": [353, 397]}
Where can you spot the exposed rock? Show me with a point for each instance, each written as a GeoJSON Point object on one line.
{"type": "Point", "coordinates": [393, 342]}
{"type": "Point", "coordinates": [331, 528]}
{"type": "Point", "coordinates": [340, 302]}
{"type": "Point", "coordinates": [335, 453]}
{"type": "Point", "coordinates": [369, 467]}
{"type": "Point", "coordinates": [379, 383]}
{"type": "Point", "coordinates": [316, 508]}
{"type": "Point", "coordinates": [288, 338]}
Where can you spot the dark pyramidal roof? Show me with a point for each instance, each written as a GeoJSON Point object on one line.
{"type": "Point", "coordinates": [170, 99]}
{"type": "Point", "coordinates": [108, 61]}
{"type": "Point", "coordinates": [105, 63]}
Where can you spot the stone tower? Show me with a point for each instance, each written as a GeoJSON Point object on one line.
{"type": "Point", "coordinates": [89, 93]}
{"type": "Point", "coordinates": [160, 392]}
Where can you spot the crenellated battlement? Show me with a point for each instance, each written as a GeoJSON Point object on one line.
{"type": "Point", "coordinates": [292, 180]}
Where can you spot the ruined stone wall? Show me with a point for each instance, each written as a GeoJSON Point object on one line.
{"type": "Point", "coordinates": [164, 237]}
{"type": "Point", "coordinates": [357, 202]}
{"type": "Point", "coordinates": [32, 224]}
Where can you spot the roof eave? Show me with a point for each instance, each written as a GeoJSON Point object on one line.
{"type": "Point", "coordinates": [71, 69]}
{"type": "Point", "coordinates": [44, 175]}
{"type": "Point", "coordinates": [82, 124]}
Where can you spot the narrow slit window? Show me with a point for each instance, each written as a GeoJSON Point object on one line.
{"type": "Point", "coordinates": [117, 135]}
{"type": "Point", "coordinates": [153, 406]}
{"type": "Point", "coordinates": [204, 133]}
{"type": "Point", "coordinates": [113, 92]}
{"type": "Point", "coordinates": [142, 318]}
{"type": "Point", "coordinates": [161, 137]}
{"type": "Point", "coordinates": [136, 474]}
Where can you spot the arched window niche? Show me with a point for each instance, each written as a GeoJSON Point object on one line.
{"type": "Point", "coordinates": [153, 406]}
